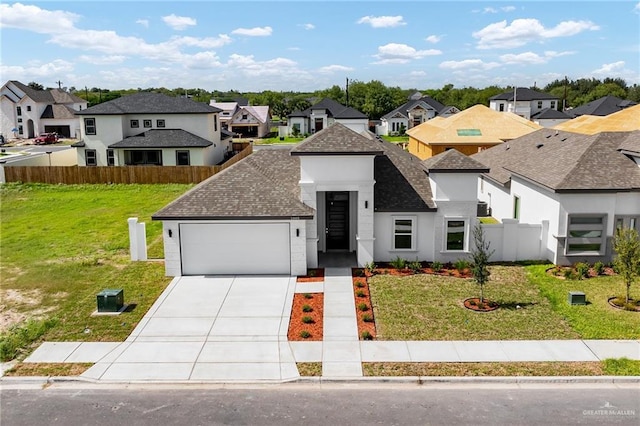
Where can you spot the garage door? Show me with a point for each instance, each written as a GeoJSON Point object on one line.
{"type": "Point", "coordinates": [209, 249]}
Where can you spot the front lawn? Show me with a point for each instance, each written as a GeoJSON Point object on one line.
{"type": "Point", "coordinates": [275, 140]}
{"type": "Point", "coordinates": [63, 244]}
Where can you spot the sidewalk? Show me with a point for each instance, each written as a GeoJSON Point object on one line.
{"type": "Point", "coordinates": [221, 356]}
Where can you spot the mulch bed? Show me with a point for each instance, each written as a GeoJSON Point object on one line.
{"type": "Point", "coordinates": [559, 271]}
{"type": "Point", "coordinates": [362, 295]}
{"type": "Point", "coordinates": [313, 276]}
{"type": "Point", "coordinates": [296, 326]}
{"type": "Point", "coordinates": [473, 304]}
{"type": "Point", "coordinates": [619, 303]}
{"type": "Point", "coordinates": [446, 271]}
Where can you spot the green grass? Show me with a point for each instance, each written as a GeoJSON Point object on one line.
{"type": "Point", "coordinates": [63, 244]}
{"type": "Point", "coordinates": [621, 367]}
{"type": "Point", "coordinates": [429, 307]}
{"type": "Point", "coordinates": [395, 139]}
{"type": "Point", "coordinates": [596, 320]}
{"type": "Point", "coordinates": [488, 220]}
{"type": "Point", "coordinates": [269, 141]}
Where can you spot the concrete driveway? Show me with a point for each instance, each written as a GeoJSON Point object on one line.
{"type": "Point", "coordinates": [209, 328]}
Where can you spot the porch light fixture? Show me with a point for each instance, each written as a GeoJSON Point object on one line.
{"type": "Point", "coordinates": [170, 232]}
{"type": "Point", "coordinates": [366, 204]}
{"type": "Point", "coordinates": [297, 232]}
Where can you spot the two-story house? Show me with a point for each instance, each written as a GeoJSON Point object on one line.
{"type": "Point", "coordinates": [523, 102]}
{"type": "Point", "coordinates": [26, 112]}
{"type": "Point", "coordinates": [151, 129]}
{"type": "Point", "coordinates": [246, 120]}
{"type": "Point", "coordinates": [324, 114]}
{"type": "Point", "coordinates": [414, 112]}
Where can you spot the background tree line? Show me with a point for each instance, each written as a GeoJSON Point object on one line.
{"type": "Point", "coordinates": [376, 99]}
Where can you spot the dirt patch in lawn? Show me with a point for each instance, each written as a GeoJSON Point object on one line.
{"type": "Point", "coordinates": [18, 306]}
{"type": "Point", "coordinates": [307, 313]}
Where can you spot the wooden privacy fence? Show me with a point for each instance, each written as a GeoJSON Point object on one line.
{"type": "Point", "coordinates": [70, 175]}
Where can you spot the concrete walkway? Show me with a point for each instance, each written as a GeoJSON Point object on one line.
{"type": "Point", "coordinates": [234, 329]}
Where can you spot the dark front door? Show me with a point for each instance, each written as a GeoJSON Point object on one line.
{"type": "Point", "coordinates": [337, 219]}
{"type": "Point", "coordinates": [318, 124]}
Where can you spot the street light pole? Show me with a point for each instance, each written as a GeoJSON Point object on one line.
{"type": "Point", "coordinates": [49, 155]}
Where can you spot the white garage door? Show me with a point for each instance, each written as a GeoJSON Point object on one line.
{"type": "Point", "coordinates": [209, 249]}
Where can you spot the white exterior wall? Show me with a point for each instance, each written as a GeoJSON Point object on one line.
{"type": "Point", "coordinates": [512, 241]}
{"type": "Point", "coordinates": [304, 128]}
{"type": "Point", "coordinates": [109, 129]}
{"type": "Point", "coordinates": [173, 266]}
{"type": "Point", "coordinates": [454, 186]}
{"type": "Point", "coordinates": [7, 117]}
{"type": "Point", "coordinates": [357, 125]}
{"type": "Point", "coordinates": [424, 237]}
{"type": "Point", "coordinates": [550, 122]}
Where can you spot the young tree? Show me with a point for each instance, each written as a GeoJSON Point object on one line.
{"type": "Point", "coordinates": [480, 255]}
{"type": "Point", "coordinates": [626, 245]}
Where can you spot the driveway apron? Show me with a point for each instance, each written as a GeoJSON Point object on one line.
{"type": "Point", "coordinates": [222, 328]}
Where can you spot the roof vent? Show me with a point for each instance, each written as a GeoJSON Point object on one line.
{"type": "Point", "coordinates": [557, 133]}
{"type": "Point", "coordinates": [563, 139]}
{"type": "Point", "coordinates": [540, 145]}
{"type": "Point", "coordinates": [548, 136]}
{"type": "Point", "coordinates": [506, 147]}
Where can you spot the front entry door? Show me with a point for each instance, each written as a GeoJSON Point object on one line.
{"type": "Point", "coordinates": [337, 219]}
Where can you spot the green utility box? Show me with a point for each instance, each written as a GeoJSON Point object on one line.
{"type": "Point", "coordinates": [110, 300]}
{"type": "Point", "coordinates": [577, 298]}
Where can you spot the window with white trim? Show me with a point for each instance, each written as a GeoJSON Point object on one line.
{"type": "Point", "coordinates": [91, 158]}
{"type": "Point", "coordinates": [146, 123]}
{"type": "Point", "coordinates": [90, 126]}
{"type": "Point", "coordinates": [111, 157]}
{"type": "Point", "coordinates": [134, 124]}
{"type": "Point", "coordinates": [585, 234]}
{"type": "Point", "coordinates": [160, 123]}
{"type": "Point", "coordinates": [456, 231]}
{"type": "Point", "coordinates": [516, 207]}
{"type": "Point", "coordinates": [183, 158]}
{"type": "Point", "coordinates": [404, 233]}
{"type": "Point", "coordinates": [630, 222]}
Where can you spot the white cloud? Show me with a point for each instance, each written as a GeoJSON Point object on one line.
{"type": "Point", "coordinates": [433, 39]}
{"type": "Point", "coordinates": [102, 60]}
{"type": "Point", "coordinates": [468, 64]}
{"type": "Point", "coordinates": [382, 21]}
{"type": "Point", "coordinates": [417, 73]}
{"type": "Point", "coordinates": [532, 58]}
{"type": "Point", "coordinates": [253, 32]}
{"type": "Point", "coordinates": [637, 8]}
{"type": "Point", "coordinates": [179, 23]}
{"type": "Point", "coordinates": [508, 8]}
{"type": "Point", "coordinates": [250, 67]}
{"type": "Point", "coordinates": [33, 18]}
{"type": "Point", "coordinates": [522, 31]}
{"type": "Point", "coordinates": [308, 26]}
{"type": "Point", "coordinates": [335, 68]}
{"type": "Point", "coordinates": [37, 69]}
{"type": "Point", "coordinates": [608, 69]}
{"type": "Point", "coordinates": [489, 10]}
{"type": "Point", "coordinates": [396, 53]}
{"type": "Point", "coordinates": [143, 22]}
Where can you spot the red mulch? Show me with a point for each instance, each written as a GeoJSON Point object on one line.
{"type": "Point", "coordinates": [365, 297]}
{"type": "Point", "coordinates": [488, 306]}
{"type": "Point", "coordinates": [447, 272]}
{"type": "Point", "coordinates": [313, 275]}
{"type": "Point", "coordinates": [296, 325]}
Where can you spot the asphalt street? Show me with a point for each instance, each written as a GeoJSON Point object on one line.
{"type": "Point", "coordinates": [313, 404]}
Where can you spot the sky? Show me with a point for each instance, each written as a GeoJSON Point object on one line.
{"type": "Point", "coordinates": [310, 45]}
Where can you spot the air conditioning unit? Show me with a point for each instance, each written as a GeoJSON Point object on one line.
{"type": "Point", "coordinates": [483, 209]}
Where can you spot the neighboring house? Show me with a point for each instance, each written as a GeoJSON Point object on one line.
{"type": "Point", "coordinates": [603, 106]}
{"type": "Point", "coordinates": [32, 112]}
{"type": "Point", "coordinates": [322, 115]}
{"type": "Point", "coordinates": [523, 102]}
{"type": "Point", "coordinates": [626, 120]}
{"type": "Point", "coordinates": [151, 129]}
{"type": "Point", "coordinates": [247, 120]}
{"type": "Point", "coordinates": [580, 188]}
{"type": "Point", "coordinates": [468, 131]}
{"type": "Point", "coordinates": [414, 112]}
{"type": "Point", "coordinates": [549, 117]}
{"type": "Point", "coordinates": [278, 210]}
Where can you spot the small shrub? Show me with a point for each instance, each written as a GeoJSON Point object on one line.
{"type": "Point", "coordinates": [359, 284]}
{"type": "Point", "coordinates": [461, 265]}
{"type": "Point", "coordinates": [436, 266]}
{"type": "Point", "coordinates": [370, 267]}
{"type": "Point", "coordinates": [568, 274]}
{"type": "Point", "coordinates": [398, 263]}
{"type": "Point", "coordinates": [415, 266]}
{"type": "Point", "coordinates": [307, 319]}
{"type": "Point", "coordinates": [598, 267]}
{"type": "Point", "coordinates": [361, 293]}
{"type": "Point", "coordinates": [305, 334]}
{"type": "Point", "coordinates": [361, 273]}
{"type": "Point", "coordinates": [307, 308]}
{"type": "Point", "coordinates": [363, 307]}
{"type": "Point", "coordinates": [582, 270]}
{"type": "Point", "coordinates": [366, 335]}
{"type": "Point", "coordinates": [312, 273]}
{"type": "Point", "coordinates": [472, 302]}
{"type": "Point", "coordinates": [367, 318]}
{"type": "Point", "coordinates": [307, 296]}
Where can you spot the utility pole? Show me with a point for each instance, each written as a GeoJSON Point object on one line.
{"type": "Point", "coordinates": [564, 100]}
{"type": "Point", "coordinates": [347, 91]}
{"type": "Point", "coordinates": [59, 83]}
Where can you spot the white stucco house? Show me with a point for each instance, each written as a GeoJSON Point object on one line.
{"type": "Point", "coordinates": [151, 129]}
{"type": "Point", "coordinates": [32, 112]}
{"type": "Point", "coordinates": [414, 112]}
{"type": "Point", "coordinates": [245, 120]}
{"type": "Point", "coordinates": [322, 115]}
{"type": "Point", "coordinates": [279, 211]}
{"type": "Point", "coordinates": [579, 188]}
{"type": "Point", "coordinates": [523, 102]}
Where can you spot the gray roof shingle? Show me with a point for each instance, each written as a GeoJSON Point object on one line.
{"type": "Point", "coordinates": [603, 106]}
{"type": "Point", "coordinates": [453, 161]}
{"type": "Point", "coordinates": [337, 139]}
{"type": "Point", "coordinates": [566, 162]}
{"type": "Point", "coordinates": [58, 111]}
{"type": "Point", "coordinates": [550, 114]}
{"type": "Point", "coordinates": [404, 108]}
{"type": "Point", "coordinates": [163, 138]}
{"type": "Point", "coordinates": [149, 103]}
{"type": "Point", "coordinates": [523, 94]}
{"type": "Point", "coordinates": [42, 96]}
{"type": "Point", "coordinates": [334, 109]}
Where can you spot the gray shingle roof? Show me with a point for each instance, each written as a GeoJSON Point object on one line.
{"type": "Point", "coordinates": [404, 108]}
{"type": "Point", "coordinates": [163, 138]}
{"type": "Point", "coordinates": [566, 162]}
{"type": "Point", "coordinates": [42, 96]}
{"type": "Point", "coordinates": [149, 103]}
{"type": "Point", "coordinates": [262, 186]}
{"type": "Point", "coordinates": [523, 94]}
{"type": "Point", "coordinates": [453, 161]}
{"type": "Point", "coordinates": [603, 106]}
{"type": "Point", "coordinates": [337, 139]}
{"type": "Point", "coordinates": [334, 109]}
{"type": "Point", "coordinates": [62, 97]}
{"type": "Point", "coordinates": [631, 143]}
{"type": "Point", "coordinates": [58, 111]}
{"type": "Point", "coordinates": [550, 114]}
